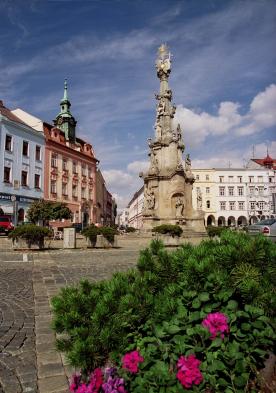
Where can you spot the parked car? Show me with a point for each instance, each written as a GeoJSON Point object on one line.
{"type": "Point", "coordinates": [6, 224]}
{"type": "Point", "coordinates": [266, 227]}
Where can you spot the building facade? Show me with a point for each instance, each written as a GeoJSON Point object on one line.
{"type": "Point", "coordinates": [122, 218]}
{"type": "Point", "coordinates": [235, 197]}
{"type": "Point", "coordinates": [70, 164]}
{"type": "Point", "coordinates": [227, 196]}
{"type": "Point", "coordinates": [135, 209]}
{"type": "Point", "coordinates": [104, 202]}
{"type": "Point", "coordinates": [22, 153]}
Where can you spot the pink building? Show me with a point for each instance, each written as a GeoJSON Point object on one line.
{"type": "Point", "coordinates": [70, 166]}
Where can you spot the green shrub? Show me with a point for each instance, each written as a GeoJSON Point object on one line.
{"type": "Point", "coordinates": [213, 231]}
{"type": "Point", "coordinates": [108, 233]}
{"type": "Point", "coordinates": [159, 308]}
{"type": "Point", "coordinates": [168, 229]}
{"type": "Point", "coordinates": [130, 229]}
{"type": "Point", "coordinates": [92, 231]}
{"type": "Point", "coordinates": [31, 233]}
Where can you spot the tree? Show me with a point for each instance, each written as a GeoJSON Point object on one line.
{"type": "Point", "coordinates": [44, 211]}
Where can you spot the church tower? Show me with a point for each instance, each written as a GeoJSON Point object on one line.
{"type": "Point", "coordinates": [65, 121]}
{"type": "Point", "coordinates": [168, 183]}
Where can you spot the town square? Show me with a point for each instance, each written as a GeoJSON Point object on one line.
{"type": "Point", "coordinates": [137, 196]}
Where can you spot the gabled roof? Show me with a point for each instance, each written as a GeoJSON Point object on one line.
{"type": "Point", "coordinates": [9, 115]}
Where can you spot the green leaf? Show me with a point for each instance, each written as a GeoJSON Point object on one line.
{"type": "Point", "coordinates": [218, 365]}
{"type": "Point", "coordinates": [216, 343]}
{"type": "Point", "coordinates": [245, 326]}
{"type": "Point", "coordinates": [196, 303]}
{"type": "Point", "coordinates": [204, 296]}
{"type": "Point", "coordinates": [232, 305]}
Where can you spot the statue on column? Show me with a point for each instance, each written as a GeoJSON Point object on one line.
{"type": "Point", "coordinates": [179, 206]}
{"type": "Point", "coordinates": [149, 199]}
{"type": "Point", "coordinates": [199, 200]}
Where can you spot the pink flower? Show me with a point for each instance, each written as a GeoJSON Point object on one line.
{"type": "Point", "coordinates": [188, 372]}
{"type": "Point", "coordinates": [131, 361]}
{"type": "Point", "coordinates": [216, 323]}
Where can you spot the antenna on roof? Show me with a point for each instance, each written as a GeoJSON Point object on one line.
{"type": "Point", "coordinates": [253, 151]}
{"type": "Point", "coordinates": [229, 164]}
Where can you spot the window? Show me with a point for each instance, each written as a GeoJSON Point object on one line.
{"type": "Point", "coordinates": [240, 191]}
{"type": "Point", "coordinates": [251, 190]}
{"type": "Point", "coordinates": [38, 153]}
{"type": "Point", "coordinates": [207, 177]}
{"type": "Point", "coordinates": [208, 204]}
{"type": "Point", "coordinates": [25, 149]}
{"type": "Point", "coordinates": [230, 179]}
{"type": "Point", "coordinates": [74, 191]}
{"type": "Point", "coordinates": [261, 190]}
{"type": "Point", "coordinates": [89, 172]}
{"type": "Point", "coordinates": [83, 193]}
{"type": "Point", "coordinates": [261, 205]}
{"type": "Point", "coordinates": [53, 187]}
{"type": "Point", "coordinates": [252, 205]}
{"type": "Point", "coordinates": [64, 189]}
{"type": "Point", "coordinates": [270, 179]}
{"type": "Point", "coordinates": [260, 179]}
{"type": "Point", "coordinates": [8, 143]}
{"type": "Point", "coordinates": [83, 170]}
{"type": "Point", "coordinates": [251, 179]}
{"type": "Point", "coordinates": [221, 179]}
{"type": "Point", "coordinates": [239, 179]}
{"type": "Point", "coordinates": [37, 181]}
{"type": "Point", "coordinates": [75, 167]}
{"type": "Point", "coordinates": [230, 191]}
{"type": "Point", "coordinates": [207, 190]}
{"type": "Point", "coordinates": [197, 177]}
{"type": "Point", "coordinates": [241, 205]}
{"type": "Point", "coordinates": [54, 160]}
{"type": "Point", "coordinates": [90, 195]}
{"type": "Point", "coordinates": [223, 205]}
{"type": "Point", "coordinates": [7, 174]}
{"type": "Point", "coordinates": [24, 178]}
{"type": "Point", "coordinates": [64, 164]}
{"type": "Point", "coordinates": [221, 191]}
{"type": "Point", "coordinates": [232, 205]}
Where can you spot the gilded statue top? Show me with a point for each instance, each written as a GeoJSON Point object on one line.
{"type": "Point", "coordinates": [163, 62]}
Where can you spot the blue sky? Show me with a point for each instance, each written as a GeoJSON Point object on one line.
{"type": "Point", "coordinates": [223, 77]}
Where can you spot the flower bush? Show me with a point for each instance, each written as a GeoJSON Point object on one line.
{"type": "Point", "coordinates": [202, 316]}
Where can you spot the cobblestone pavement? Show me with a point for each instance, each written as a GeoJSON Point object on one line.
{"type": "Point", "coordinates": [18, 371]}
{"type": "Point", "coordinates": [28, 360]}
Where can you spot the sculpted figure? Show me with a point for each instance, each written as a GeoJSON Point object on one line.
{"type": "Point", "coordinates": [149, 200]}
{"type": "Point", "coordinates": [188, 163]}
{"type": "Point", "coordinates": [161, 108]}
{"type": "Point", "coordinates": [179, 206]}
{"type": "Point", "coordinates": [158, 129]}
{"type": "Point", "coordinates": [199, 200]}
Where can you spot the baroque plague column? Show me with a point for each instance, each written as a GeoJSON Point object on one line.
{"type": "Point", "coordinates": [167, 184]}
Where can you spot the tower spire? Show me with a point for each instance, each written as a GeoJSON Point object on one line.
{"type": "Point", "coordinates": [64, 120]}
{"type": "Point", "coordinates": [65, 95]}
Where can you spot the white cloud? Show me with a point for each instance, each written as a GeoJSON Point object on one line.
{"type": "Point", "coordinates": [236, 158]}
{"type": "Point", "coordinates": [117, 178]}
{"type": "Point", "coordinates": [198, 125]}
{"type": "Point", "coordinates": [138, 166]}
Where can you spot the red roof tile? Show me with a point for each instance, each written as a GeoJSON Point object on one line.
{"type": "Point", "coordinates": [266, 162]}
{"type": "Point", "coordinates": [8, 114]}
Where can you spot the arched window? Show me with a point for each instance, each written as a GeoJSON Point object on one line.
{"type": "Point", "coordinates": [208, 204]}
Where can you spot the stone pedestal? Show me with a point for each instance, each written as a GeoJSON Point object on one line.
{"type": "Point", "coordinates": [102, 242]}
{"type": "Point", "coordinates": [69, 238]}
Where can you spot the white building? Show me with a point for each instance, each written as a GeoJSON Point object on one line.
{"type": "Point", "coordinates": [228, 196]}
{"type": "Point", "coordinates": [22, 165]}
{"type": "Point", "coordinates": [122, 218]}
{"type": "Point", "coordinates": [135, 208]}
{"type": "Point", "coordinates": [235, 197]}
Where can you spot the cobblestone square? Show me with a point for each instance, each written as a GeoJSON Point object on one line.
{"type": "Point", "coordinates": [28, 360]}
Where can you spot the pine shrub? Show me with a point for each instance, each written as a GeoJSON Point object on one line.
{"type": "Point", "coordinates": [160, 306]}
